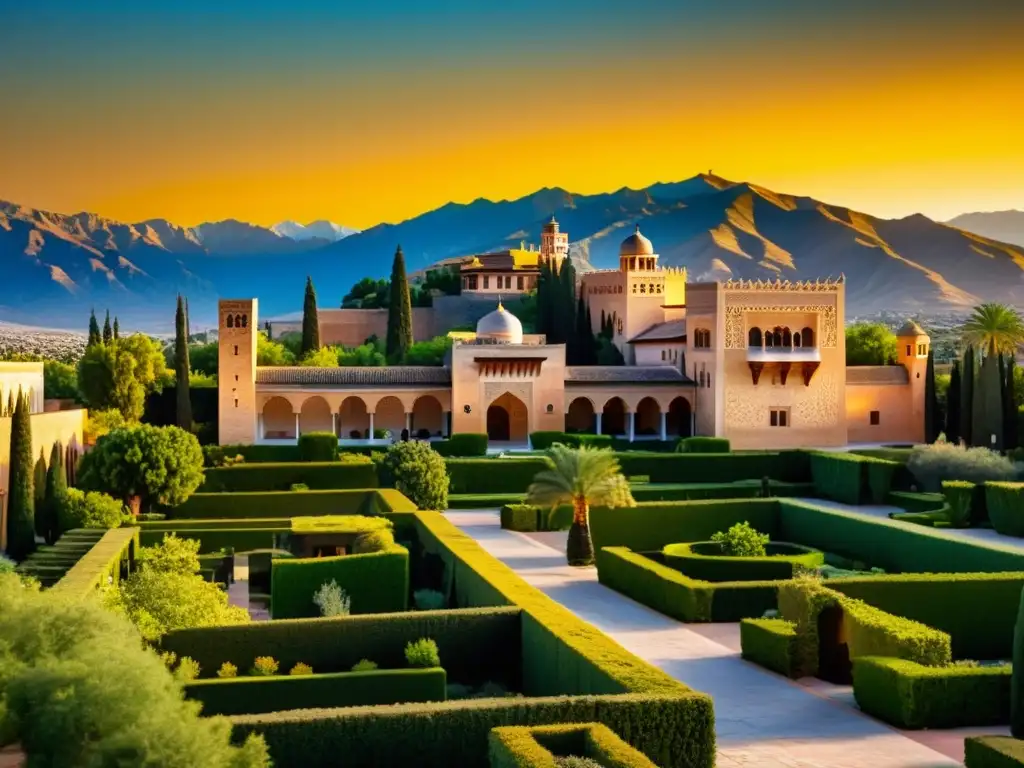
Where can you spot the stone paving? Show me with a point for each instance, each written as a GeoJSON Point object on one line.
{"type": "Point", "coordinates": [762, 719]}
{"type": "Point", "coordinates": [238, 592]}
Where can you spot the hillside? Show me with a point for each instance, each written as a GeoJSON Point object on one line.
{"type": "Point", "coordinates": [1007, 226]}
{"type": "Point", "coordinates": [58, 266]}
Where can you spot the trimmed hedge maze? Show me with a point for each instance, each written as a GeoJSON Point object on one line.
{"type": "Point", "coordinates": [538, 746]}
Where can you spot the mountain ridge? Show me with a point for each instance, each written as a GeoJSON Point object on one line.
{"type": "Point", "coordinates": [715, 227]}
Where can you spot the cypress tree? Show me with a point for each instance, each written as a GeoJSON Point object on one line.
{"type": "Point", "coordinates": [581, 333]}
{"type": "Point", "coordinates": [1017, 676]}
{"type": "Point", "coordinates": [399, 312]}
{"type": "Point", "coordinates": [117, 330]}
{"type": "Point", "coordinates": [1010, 412]}
{"type": "Point", "coordinates": [310, 322]}
{"type": "Point", "coordinates": [591, 339]}
{"type": "Point", "coordinates": [94, 331]}
{"type": "Point", "coordinates": [55, 496]}
{"type": "Point", "coordinates": [544, 318]}
{"type": "Point", "coordinates": [108, 332]}
{"type": "Point", "coordinates": [988, 406]}
{"type": "Point", "coordinates": [181, 369]}
{"type": "Point", "coordinates": [931, 403]}
{"type": "Point", "coordinates": [565, 297]}
{"type": "Point", "coordinates": [967, 397]}
{"type": "Point", "coordinates": [188, 322]}
{"type": "Point", "coordinates": [10, 404]}
{"type": "Point", "coordinates": [39, 493]}
{"type": "Point", "coordinates": [21, 535]}
{"type": "Point", "coordinates": [953, 405]}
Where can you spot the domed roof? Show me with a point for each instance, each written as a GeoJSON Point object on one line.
{"type": "Point", "coordinates": [500, 326]}
{"type": "Point", "coordinates": [911, 328]}
{"type": "Point", "coordinates": [636, 245]}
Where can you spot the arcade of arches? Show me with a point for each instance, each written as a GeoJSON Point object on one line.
{"type": "Point", "coordinates": [508, 419]}
{"type": "Point", "coordinates": [284, 418]}
{"type": "Point", "coordinates": [650, 417]}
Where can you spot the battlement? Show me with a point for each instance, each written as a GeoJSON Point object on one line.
{"type": "Point", "coordinates": [818, 286]}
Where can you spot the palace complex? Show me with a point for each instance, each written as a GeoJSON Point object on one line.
{"type": "Point", "coordinates": [760, 363]}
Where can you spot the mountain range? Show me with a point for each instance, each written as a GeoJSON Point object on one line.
{"type": "Point", "coordinates": [319, 229]}
{"type": "Point", "coordinates": [1007, 226]}
{"type": "Point", "coordinates": [58, 266]}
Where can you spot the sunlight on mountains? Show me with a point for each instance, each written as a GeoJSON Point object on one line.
{"type": "Point", "coordinates": [741, 215]}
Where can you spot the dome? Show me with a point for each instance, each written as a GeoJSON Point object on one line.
{"type": "Point", "coordinates": [636, 245]}
{"type": "Point", "coordinates": [500, 326]}
{"type": "Point", "coordinates": [910, 328]}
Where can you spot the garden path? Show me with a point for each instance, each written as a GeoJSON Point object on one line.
{"type": "Point", "coordinates": [762, 719]}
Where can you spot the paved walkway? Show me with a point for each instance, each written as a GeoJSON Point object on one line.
{"type": "Point", "coordinates": [238, 592]}
{"type": "Point", "coordinates": [762, 719]}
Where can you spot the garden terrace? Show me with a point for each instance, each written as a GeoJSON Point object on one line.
{"type": "Point", "coordinates": [568, 671]}
{"type": "Point", "coordinates": [107, 558]}
{"type": "Point", "coordinates": [538, 746]}
{"type": "Point", "coordinates": [281, 476]}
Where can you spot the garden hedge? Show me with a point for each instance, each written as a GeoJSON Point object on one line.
{"type": "Point", "coordinates": [1005, 504]}
{"type": "Point", "coordinates": [770, 643]}
{"type": "Point", "coordinates": [483, 500]}
{"type": "Point", "coordinates": [668, 591]}
{"type": "Point", "coordinates": [113, 553]}
{"type": "Point", "coordinates": [852, 478]}
{"type": "Point", "coordinates": [276, 504]}
{"type": "Point", "coordinates": [256, 454]}
{"type": "Point", "coordinates": [462, 444]}
{"type": "Point", "coordinates": [703, 445]}
{"type": "Point", "coordinates": [715, 468]}
{"type": "Point", "coordinates": [916, 502]}
{"type": "Point", "coordinates": [335, 644]}
{"type": "Point", "coordinates": [741, 489]}
{"type": "Point", "coordinates": [910, 695]}
{"type": "Point", "coordinates": [253, 695]}
{"type": "Point", "coordinates": [498, 475]}
{"type": "Point", "coordinates": [211, 540]}
{"type": "Point", "coordinates": [541, 441]}
{"type": "Point", "coordinates": [324, 475]}
{"type": "Point", "coordinates": [704, 560]}
{"type": "Point", "coordinates": [993, 752]}
{"type": "Point", "coordinates": [318, 446]}
{"type": "Point", "coordinates": [518, 746]}
{"type": "Point", "coordinates": [520, 517]}
{"type": "Point", "coordinates": [376, 582]}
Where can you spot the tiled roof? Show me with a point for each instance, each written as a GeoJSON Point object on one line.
{"type": "Point", "coordinates": [624, 374]}
{"type": "Point", "coordinates": [876, 374]}
{"type": "Point", "coordinates": [390, 375]}
{"type": "Point", "coordinates": [911, 328]}
{"type": "Point", "coordinates": [673, 330]}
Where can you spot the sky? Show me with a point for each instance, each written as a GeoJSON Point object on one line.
{"type": "Point", "coordinates": [365, 112]}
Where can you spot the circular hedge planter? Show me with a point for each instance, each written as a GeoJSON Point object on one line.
{"type": "Point", "coordinates": [704, 560]}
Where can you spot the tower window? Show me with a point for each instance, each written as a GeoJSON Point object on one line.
{"type": "Point", "coordinates": [236, 402]}
{"type": "Point", "coordinates": [519, 282]}
{"type": "Point", "coordinates": [778, 417]}
{"type": "Point", "coordinates": [908, 350]}
{"type": "Point", "coordinates": [238, 321]}
{"type": "Point", "coordinates": [231, 321]}
{"type": "Point", "coordinates": [236, 377]}
{"type": "Point", "coordinates": [245, 321]}
{"type": "Point", "coordinates": [487, 281]}
{"type": "Point", "coordinates": [236, 349]}
{"type": "Point", "coordinates": [875, 418]}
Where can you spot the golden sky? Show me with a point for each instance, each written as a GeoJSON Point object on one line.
{"type": "Point", "coordinates": [263, 112]}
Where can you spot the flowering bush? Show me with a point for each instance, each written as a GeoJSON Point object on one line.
{"type": "Point", "coordinates": [188, 669]}
{"type": "Point", "coordinates": [364, 665]}
{"type": "Point", "coordinates": [931, 464]}
{"type": "Point", "coordinates": [264, 666]}
{"type": "Point", "coordinates": [227, 669]}
{"type": "Point", "coordinates": [301, 669]}
{"type": "Point", "coordinates": [619, 494]}
{"type": "Point", "coordinates": [742, 540]}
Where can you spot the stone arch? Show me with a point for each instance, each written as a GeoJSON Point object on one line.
{"type": "Point", "coordinates": [648, 417]}
{"type": "Point", "coordinates": [315, 416]}
{"type": "Point", "coordinates": [427, 414]}
{"type": "Point", "coordinates": [787, 338]}
{"type": "Point", "coordinates": [796, 340]}
{"type": "Point", "coordinates": [508, 419]}
{"type": "Point", "coordinates": [389, 413]}
{"type": "Point", "coordinates": [353, 418]}
{"type": "Point", "coordinates": [754, 338]}
{"type": "Point", "coordinates": [278, 419]}
{"type": "Point", "coordinates": [580, 416]}
{"type": "Point", "coordinates": [613, 417]}
{"type": "Point", "coordinates": [679, 421]}
{"type": "Point", "coordinates": [807, 335]}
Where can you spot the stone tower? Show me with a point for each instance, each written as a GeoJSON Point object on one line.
{"type": "Point", "coordinates": [554, 244]}
{"type": "Point", "coordinates": [913, 345]}
{"type": "Point", "coordinates": [237, 328]}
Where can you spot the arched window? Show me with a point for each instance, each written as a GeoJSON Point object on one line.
{"type": "Point", "coordinates": [238, 321]}
{"type": "Point", "coordinates": [231, 321]}
{"type": "Point", "coordinates": [787, 338]}
{"type": "Point", "coordinates": [245, 321]}
{"type": "Point", "coordinates": [796, 339]}
{"type": "Point", "coordinates": [702, 338]}
{"type": "Point", "coordinates": [754, 337]}
{"type": "Point", "coordinates": [808, 337]}
{"type": "Point", "coordinates": [769, 339]}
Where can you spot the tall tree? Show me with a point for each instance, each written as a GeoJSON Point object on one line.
{"type": "Point", "coordinates": [21, 534]}
{"type": "Point", "coordinates": [117, 330]}
{"type": "Point", "coordinates": [181, 368]}
{"type": "Point", "coordinates": [931, 402]}
{"type": "Point", "coordinates": [399, 312]}
{"type": "Point", "coordinates": [988, 401]}
{"type": "Point", "coordinates": [55, 496]}
{"type": "Point", "coordinates": [967, 375]}
{"type": "Point", "coordinates": [94, 331]}
{"type": "Point", "coordinates": [108, 331]}
{"type": "Point", "coordinates": [310, 322]}
{"type": "Point", "coordinates": [581, 336]}
{"type": "Point", "coordinates": [565, 306]}
{"type": "Point", "coordinates": [11, 405]}
{"type": "Point", "coordinates": [994, 328]}
{"type": "Point", "coordinates": [39, 492]}
{"type": "Point", "coordinates": [1011, 434]}
{"type": "Point", "coordinates": [188, 322]}
{"type": "Point", "coordinates": [953, 405]}
{"type": "Point", "coordinates": [591, 350]}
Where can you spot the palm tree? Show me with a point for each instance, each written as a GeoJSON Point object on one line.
{"type": "Point", "coordinates": [581, 477]}
{"type": "Point", "coordinates": [994, 328]}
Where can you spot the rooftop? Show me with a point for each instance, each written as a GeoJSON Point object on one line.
{"type": "Point", "coordinates": [876, 374]}
{"type": "Point", "coordinates": [672, 330]}
{"type": "Point", "coordinates": [624, 374]}
{"type": "Point", "coordinates": [355, 376]}
{"type": "Point", "coordinates": [911, 328]}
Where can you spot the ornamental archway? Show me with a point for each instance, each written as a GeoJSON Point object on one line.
{"type": "Point", "coordinates": [508, 419]}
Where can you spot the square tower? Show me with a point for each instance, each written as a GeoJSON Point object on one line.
{"type": "Point", "coordinates": [237, 325]}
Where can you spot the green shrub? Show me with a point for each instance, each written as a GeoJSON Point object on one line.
{"type": "Point", "coordinates": [188, 669]}
{"type": "Point", "coordinates": [917, 502]}
{"type": "Point", "coordinates": [770, 643]}
{"type": "Point", "coordinates": [1005, 502]}
{"type": "Point", "coordinates": [741, 540]}
{"type": "Point", "coordinates": [1017, 683]}
{"type": "Point", "coordinates": [880, 478]}
{"type": "Point", "coordinates": [254, 695]}
{"type": "Point", "coordinates": [225, 506]}
{"type": "Point", "coordinates": [910, 695]}
{"type": "Point", "coordinates": [373, 541]}
{"type": "Point", "coordinates": [520, 517]}
{"type": "Point", "coordinates": [993, 752]}
{"type": "Point", "coordinates": [264, 666]}
{"type": "Point", "coordinates": [329, 475]}
{"type": "Point", "coordinates": [959, 495]}
{"type": "Point", "coordinates": [422, 653]}
{"type": "Point", "coordinates": [931, 464]}
{"type": "Point", "coordinates": [429, 600]}
{"type": "Point", "coordinates": [89, 510]}
{"type": "Point", "coordinates": [466, 444]}
{"type": "Point", "coordinates": [541, 441]}
{"type": "Point", "coordinates": [791, 466]}
{"type": "Point", "coordinates": [839, 476]}
{"type": "Point", "coordinates": [705, 560]}
{"type": "Point", "coordinates": [498, 475]}
{"type": "Point", "coordinates": [364, 665]}
{"type": "Point", "coordinates": [620, 494]}
{"type": "Point", "coordinates": [300, 669]}
{"type": "Point", "coordinates": [418, 472]}
{"type": "Point", "coordinates": [332, 600]}
{"type": "Point", "coordinates": [227, 669]}
{"type": "Point", "coordinates": [703, 445]}
{"type": "Point", "coordinates": [318, 446]}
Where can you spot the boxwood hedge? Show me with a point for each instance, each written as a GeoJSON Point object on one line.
{"type": "Point", "coordinates": [770, 643]}
{"type": "Point", "coordinates": [517, 746]}
{"type": "Point", "coordinates": [993, 752]}
{"type": "Point", "coordinates": [323, 475]}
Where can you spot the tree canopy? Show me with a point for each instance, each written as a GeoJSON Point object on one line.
{"type": "Point", "coordinates": [399, 312]}
{"type": "Point", "coordinates": [994, 328]}
{"type": "Point", "coordinates": [870, 344]}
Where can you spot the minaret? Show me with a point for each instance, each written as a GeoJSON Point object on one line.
{"type": "Point", "coordinates": [913, 345]}
{"type": "Point", "coordinates": [236, 371]}
{"type": "Point", "coordinates": [554, 244]}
